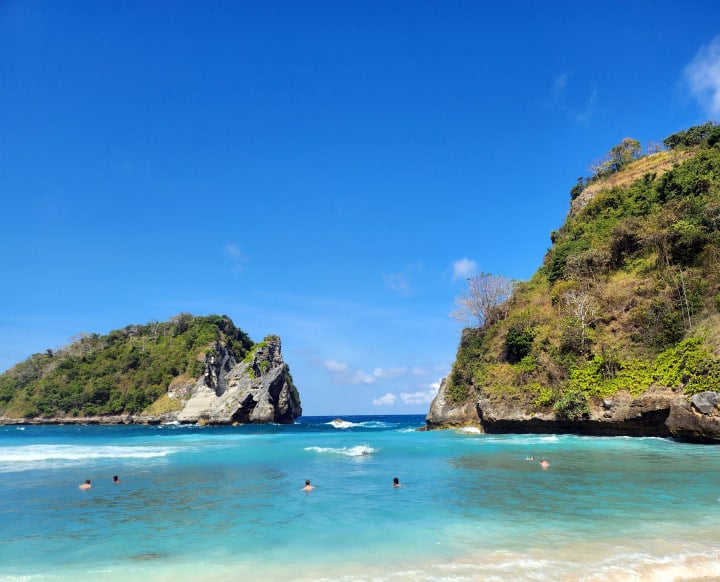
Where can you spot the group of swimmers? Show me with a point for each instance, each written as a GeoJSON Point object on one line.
{"type": "Point", "coordinates": [308, 487]}
{"type": "Point", "coordinates": [543, 462]}
{"type": "Point", "coordinates": [88, 483]}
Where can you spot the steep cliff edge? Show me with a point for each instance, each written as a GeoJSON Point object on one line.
{"type": "Point", "coordinates": [257, 390]}
{"type": "Point", "coordinates": [618, 332]}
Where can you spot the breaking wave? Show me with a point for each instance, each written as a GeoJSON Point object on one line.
{"type": "Point", "coordinates": [344, 424]}
{"type": "Point", "coordinates": [42, 453]}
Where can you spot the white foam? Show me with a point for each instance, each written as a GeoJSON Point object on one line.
{"type": "Point", "coordinates": [340, 423]}
{"type": "Point", "coordinates": [344, 424]}
{"type": "Point", "coordinates": [40, 453]}
{"type": "Point", "coordinates": [356, 451]}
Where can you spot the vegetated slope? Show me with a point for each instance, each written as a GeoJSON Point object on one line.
{"type": "Point", "coordinates": [628, 295]}
{"type": "Point", "coordinates": [123, 372]}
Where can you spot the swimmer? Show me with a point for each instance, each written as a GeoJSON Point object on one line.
{"type": "Point", "coordinates": [544, 464]}
{"type": "Point", "coordinates": [116, 479]}
{"type": "Point", "coordinates": [85, 485]}
{"type": "Point", "coordinates": [308, 487]}
{"type": "Point", "coordinates": [396, 482]}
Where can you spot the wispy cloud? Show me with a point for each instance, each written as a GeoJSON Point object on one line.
{"type": "Point", "coordinates": [346, 375]}
{"type": "Point", "coordinates": [464, 268]}
{"type": "Point", "coordinates": [386, 400]}
{"type": "Point", "coordinates": [236, 256]}
{"type": "Point", "coordinates": [422, 396]}
{"type": "Point", "coordinates": [399, 283]}
{"type": "Point", "coordinates": [334, 366]}
{"type": "Point", "coordinates": [558, 91]}
{"type": "Point", "coordinates": [566, 101]}
{"type": "Point", "coordinates": [586, 114]}
{"type": "Point", "coordinates": [362, 377]}
{"type": "Point", "coordinates": [702, 76]}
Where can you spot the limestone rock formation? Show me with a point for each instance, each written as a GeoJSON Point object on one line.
{"type": "Point", "coordinates": [660, 412]}
{"type": "Point", "coordinates": [444, 413]}
{"type": "Point", "coordinates": [257, 390]}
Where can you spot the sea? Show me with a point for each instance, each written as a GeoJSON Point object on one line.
{"type": "Point", "coordinates": [199, 503]}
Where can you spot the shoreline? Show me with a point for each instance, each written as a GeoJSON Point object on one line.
{"type": "Point", "coordinates": [501, 565]}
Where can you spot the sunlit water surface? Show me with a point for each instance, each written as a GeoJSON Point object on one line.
{"type": "Point", "coordinates": [202, 503]}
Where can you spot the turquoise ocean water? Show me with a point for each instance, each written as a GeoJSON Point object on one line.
{"type": "Point", "coordinates": [209, 503]}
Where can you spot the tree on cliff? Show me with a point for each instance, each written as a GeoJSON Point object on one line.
{"type": "Point", "coordinates": [483, 299]}
{"type": "Point", "coordinates": [582, 308]}
{"type": "Point", "coordinates": [617, 158]}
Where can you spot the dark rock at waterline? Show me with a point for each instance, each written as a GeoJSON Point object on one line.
{"type": "Point", "coordinates": [658, 412]}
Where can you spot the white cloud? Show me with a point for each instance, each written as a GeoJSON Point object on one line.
{"type": "Point", "coordinates": [464, 269]}
{"type": "Point", "coordinates": [422, 396]}
{"type": "Point", "coordinates": [362, 377]}
{"type": "Point", "coordinates": [233, 252]}
{"type": "Point", "coordinates": [588, 111]}
{"type": "Point", "coordinates": [334, 366]}
{"type": "Point", "coordinates": [399, 283]}
{"type": "Point", "coordinates": [346, 375]}
{"type": "Point", "coordinates": [702, 75]}
{"type": "Point", "coordinates": [387, 400]}
{"type": "Point", "coordinates": [558, 91]}
{"type": "Point", "coordinates": [565, 96]}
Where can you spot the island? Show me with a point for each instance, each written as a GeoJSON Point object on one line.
{"type": "Point", "coordinates": [189, 370]}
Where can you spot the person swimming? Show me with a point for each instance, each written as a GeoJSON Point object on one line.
{"type": "Point", "coordinates": [544, 464]}
{"type": "Point", "coordinates": [116, 480]}
{"type": "Point", "coordinates": [86, 485]}
{"type": "Point", "coordinates": [307, 487]}
{"type": "Point", "coordinates": [396, 482]}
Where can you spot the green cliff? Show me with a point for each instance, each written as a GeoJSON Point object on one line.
{"type": "Point", "coordinates": [150, 373]}
{"type": "Point", "coordinates": [626, 303]}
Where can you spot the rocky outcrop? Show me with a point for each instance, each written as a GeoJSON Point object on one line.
{"type": "Point", "coordinates": [659, 411]}
{"type": "Point", "coordinates": [254, 391]}
{"type": "Point", "coordinates": [257, 390]}
{"type": "Point", "coordinates": [444, 413]}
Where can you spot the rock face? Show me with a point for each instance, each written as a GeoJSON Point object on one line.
{"type": "Point", "coordinates": [444, 413]}
{"type": "Point", "coordinates": [259, 390]}
{"type": "Point", "coordinates": [660, 412]}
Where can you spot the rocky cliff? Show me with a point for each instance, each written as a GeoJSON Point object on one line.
{"type": "Point", "coordinates": [659, 412]}
{"type": "Point", "coordinates": [189, 369]}
{"type": "Point", "coordinates": [618, 331]}
{"type": "Point", "coordinates": [256, 390]}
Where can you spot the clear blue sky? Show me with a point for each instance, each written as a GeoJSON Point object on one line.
{"type": "Point", "coordinates": [330, 172]}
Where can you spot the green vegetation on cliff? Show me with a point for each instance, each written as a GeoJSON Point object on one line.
{"type": "Point", "coordinates": [123, 372]}
{"type": "Point", "coordinates": [628, 295]}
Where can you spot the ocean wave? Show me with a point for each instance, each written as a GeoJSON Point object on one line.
{"type": "Point", "coordinates": [356, 451]}
{"type": "Point", "coordinates": [340, 423]}
{"type": "Point", "coordinates": [344, 424]}
{"type": "Point", "coordinates": [40, 453]}
{"type": "Point", "coordinates": [470, 429]}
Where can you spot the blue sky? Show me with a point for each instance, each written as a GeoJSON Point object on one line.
{"type": "Point", "coordinates": [330, 172]}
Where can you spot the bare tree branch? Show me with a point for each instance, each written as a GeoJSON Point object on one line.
{"type": "Point", "coordinates": [485, 299]}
